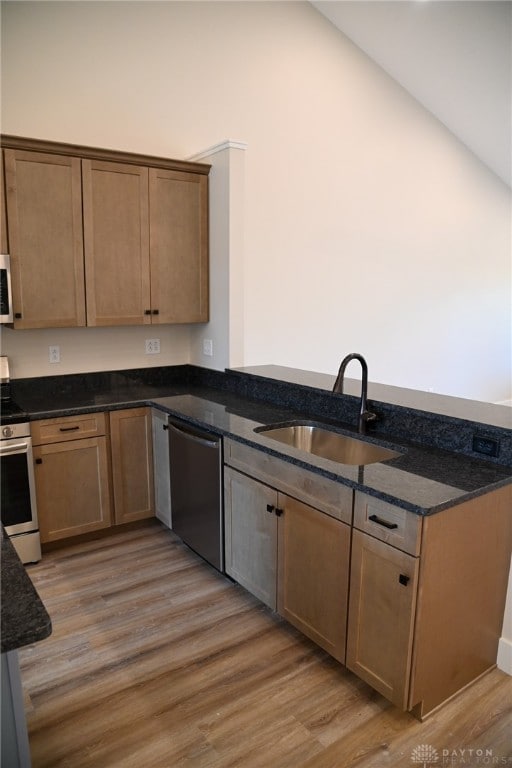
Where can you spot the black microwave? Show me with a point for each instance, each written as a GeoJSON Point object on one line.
{"type": "Point", "coordinates": [5, 289]}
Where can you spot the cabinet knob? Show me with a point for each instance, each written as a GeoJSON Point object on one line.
{"type": "Point", "coordinates": [39, 461]}
{"type": "Point", "coordinates": [403, 579]}
{"type": "Point", "coordinates": [279, 512]}
{"type": "Point", "coordinates": [147, 311]}
{"type": "Point", "coordinates": [270, 508]}
{"type": "Point", "coordinates": [156, 312]}
{"type": "Point", "coordinates": [17, 315]}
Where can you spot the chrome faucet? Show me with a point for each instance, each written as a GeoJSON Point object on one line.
{"type": "Point", "coordinates": [364, 414]}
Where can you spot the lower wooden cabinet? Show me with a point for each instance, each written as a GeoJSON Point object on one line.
{"type": "Point", "coordinates": [425, 606]}
{"type": "Point", "coordinates": [132, 464]}
{"type": "Point", "coordinates": [72, 475]}
{"type": "Point", "coordinates": [291, 556]}
{"type": "Point", "coordinates": [313, 569]}
{"type": "Point", "coordinates": [383, 587]}
{"type": "Point", "coordinates": [92, 471]}
{"type": "Point", "coordinates": [251, 535]}
{"type": "Point", "coordinates": [427, 596]}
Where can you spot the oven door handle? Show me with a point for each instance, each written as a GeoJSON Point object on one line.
{"type": "Point", "coordinates": [8, 450]}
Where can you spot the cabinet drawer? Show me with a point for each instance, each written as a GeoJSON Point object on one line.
{"type": "Point", "coordinates": [68, 428]}
{"type": "Point", "coordinates": [395, 526]}
{"type": "Point", "coordinates": [320, 492]}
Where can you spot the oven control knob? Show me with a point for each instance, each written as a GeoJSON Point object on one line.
{"type": "Point", "coordinates": [7, 431]}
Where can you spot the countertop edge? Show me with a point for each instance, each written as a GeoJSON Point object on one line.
{"type": "Point", "coordinates": [331, 473]}
{"type": "Point", "coordinates": [322, 468]}
{"type": "Point", "coordinates": [24, 617]}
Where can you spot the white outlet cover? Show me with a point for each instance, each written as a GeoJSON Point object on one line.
{"type": "Point", "coordinates": [152, 346]}
{"type": "Point", "coordinates": [54, 354]}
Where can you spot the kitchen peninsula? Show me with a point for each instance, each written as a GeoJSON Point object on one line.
{"type": "Point", "coordinates": [438, 501]}
{"type": "Point", "coordinates": [438, 466]}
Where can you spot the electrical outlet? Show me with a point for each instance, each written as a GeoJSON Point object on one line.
{"type": "Point", "coordinates": [152, 346]}
{"type": "Point", "coordinates": [489, 446]}
{"type": "Point", "coordinates": [54, 354]}
{"type": "Point", "coordinates": [208, 347]}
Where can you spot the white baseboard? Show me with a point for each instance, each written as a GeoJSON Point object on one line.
{"type": "Point", "coordinates": [504, 660]}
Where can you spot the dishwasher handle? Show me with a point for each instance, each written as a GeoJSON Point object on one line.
{"type": "Point", "coordinates": [204, 441]}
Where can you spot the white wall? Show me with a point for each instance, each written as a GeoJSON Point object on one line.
{"type": "Point", "coordinates": [367, 226]}
{"type": "Point", "coordinates": [92, 349]}
{"type": "Point", "coordinates": [504, 660]}
{"type": "Point", "coordinates": [454, 57]}
{"type": "Point", "coordinates": [225, 329]}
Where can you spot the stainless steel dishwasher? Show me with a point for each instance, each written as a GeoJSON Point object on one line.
{"type": "Point", "coordinates": [195, 459]}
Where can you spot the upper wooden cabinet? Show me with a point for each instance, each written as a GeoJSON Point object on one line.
{"type": "Point", "coordinates": [146, 244]}
{"type": "Point", "coordinates": [139, 254]}
{"type": "Point", "coordinates": [4, 245]}
{"type": "Point", "coordinates": [44, 210]}
{"type": "Point", "coordinates": [116, 233]}
{"type": "Point", "coordinates": [178, 232]}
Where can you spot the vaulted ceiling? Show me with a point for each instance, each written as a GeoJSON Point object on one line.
{"type": "Point", "coordinates": [453, 56]}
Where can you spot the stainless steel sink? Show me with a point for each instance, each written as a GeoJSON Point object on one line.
{"type": "Point", "coordinates": [321, 441]}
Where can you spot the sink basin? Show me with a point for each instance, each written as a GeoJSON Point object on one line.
{"type": "Point", "coordinates": [326, 443]}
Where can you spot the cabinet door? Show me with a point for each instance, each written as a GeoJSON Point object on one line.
{"type": "Point", "coordinates": [132, 464]}
{"type": "Point", "coordinates": [161, 467]}
{"type": "Point", "coordinates": [44, 209]}
{"type": "Point", "coordinates": [178, 246]}
{"type": "Point", "coordinates": [4, 246]}
{"type": "Point", "coordinates": [251, 535]}
{"type": "Point", "coordinates": [116, 239]}
{"type": "Point", "coordinates": [313, 570]}
{"type": "Point", "coordinates": [72, 487]}
{"type": "Point", "coordinates": [383, 589]}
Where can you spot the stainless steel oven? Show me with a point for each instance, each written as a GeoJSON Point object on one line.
{"type": "Point", "coordinates": [18, 498]}
{"type": "Point", "coordinates": [18, 491]}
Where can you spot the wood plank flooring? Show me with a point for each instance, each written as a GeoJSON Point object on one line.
{"type": "Point", "coordinates": [157, 660]}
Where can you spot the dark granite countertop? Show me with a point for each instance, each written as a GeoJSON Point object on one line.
{"type": "Point", "coordinates": [23, 616]}
{"type": "Point", "coordinates": [424, 479]}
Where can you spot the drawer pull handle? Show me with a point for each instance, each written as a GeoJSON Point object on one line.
{"type": "Point", "coordinates": [403, 579]}
{"type": "Point", "coordinates": [380, 521]}
{"type": "Point", "coordinates": [68, 429]}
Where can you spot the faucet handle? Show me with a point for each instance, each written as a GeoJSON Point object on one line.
{"type": "Point", "coordinates": [369, 416]}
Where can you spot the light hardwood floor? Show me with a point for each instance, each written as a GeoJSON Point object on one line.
{"type": "Point", "coordinates": [158, 660]}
